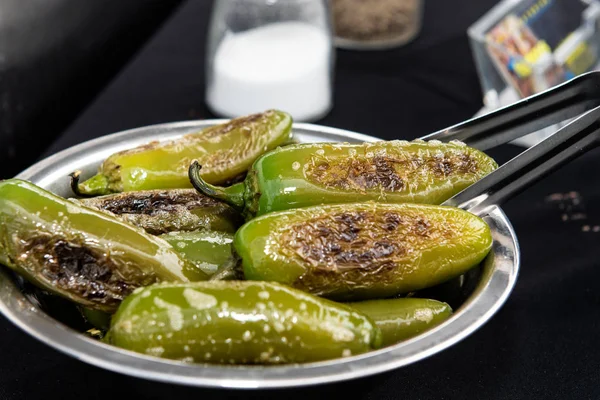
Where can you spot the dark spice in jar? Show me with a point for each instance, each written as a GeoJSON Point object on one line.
{"type": "Point", "coordinates": [375, 20]}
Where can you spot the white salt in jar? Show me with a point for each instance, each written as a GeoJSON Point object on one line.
{"type": "Point", "coordinates": [265, 54]}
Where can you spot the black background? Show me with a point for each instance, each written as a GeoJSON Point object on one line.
{"type": "Point", "coordinates": [55, 55]}
{"type": "Point", "coordinates": [541, 344]}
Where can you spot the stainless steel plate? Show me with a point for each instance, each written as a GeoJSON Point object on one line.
{"type": "Point", "coordinates": [485, 289]}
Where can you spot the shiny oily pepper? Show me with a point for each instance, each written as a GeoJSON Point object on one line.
{"type": "Point", "coordinates": [163, 211]}
{"type": "Point", "coordinates": [329, 173]}
{"type": "Point", "coordinates": [403, 318]}
{"type": "Point", "coordinates": [362, 250]}
{"type": "Point", "coordinates": [226, 151]}
{"type": "Point", "coordinates": [81, 254]}
{"type": "Point", "coordinates": [208, 250]}
{"type": "Point", "coordinates": [238, 322]}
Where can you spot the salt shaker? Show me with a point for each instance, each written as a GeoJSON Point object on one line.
{"type": "Point", "coordinates": [265, 54]}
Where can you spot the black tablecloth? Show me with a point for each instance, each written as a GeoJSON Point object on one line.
{"type": "Point", "coordinates": [541, 344]}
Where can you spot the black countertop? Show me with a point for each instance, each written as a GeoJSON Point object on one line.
{"type": "Point", "coordinates": [541, 344]}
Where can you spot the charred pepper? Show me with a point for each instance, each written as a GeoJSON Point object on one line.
{"type": "Point", "coordinates": [239, 322]}
{"type": "Point", "coordinates": [78, 253]}
{"type": "Point", "coordinates": [225, 150]}
{"type": "Point", "coordinates": [162, 211]}
{"type": "Point", "coordinates": [326, 173]}
{"type": "Point", "coordinates": [401, 319]}
{"type": "Point", "coordinates": [362, 250]}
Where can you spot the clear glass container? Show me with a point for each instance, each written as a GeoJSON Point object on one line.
{"type": "Point", "coordinates": [522, 47]}
{"type": "Point", "coordinates": [376, 24]}
{"type": "Point", "coordinates": [265, 54]}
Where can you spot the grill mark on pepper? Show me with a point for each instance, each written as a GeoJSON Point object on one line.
{"type": "Point", "coordinates": [354, 173]}
{"type": "Point", "coordinates": [356, 247]}
{"type": "Point", "coordinates": [219, 130]}
{"type": "Point", "coordinates": [204, 134]}
{"type": "Point", "coordinates": [163, 211]}
{"type": "Point", "coordinates": [254, 140]}
{"type": "Point", "coordinates": [341, 240]}
{"type": "Point", "coordinates": [80, 270]}
{"type": "Point", "coordinates": [387, 172]}
{"type": "Point", "coordinates": [151, 202]}
{"type": "Point", "coordinates": [453, 163]}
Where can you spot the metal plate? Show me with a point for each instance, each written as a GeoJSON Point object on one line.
{"type": "Point", "coordinates": [491, 284]}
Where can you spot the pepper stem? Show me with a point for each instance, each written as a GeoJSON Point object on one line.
{"type": "Point", "coordinates": [232, 195]}
{"type": "Point", "coordinates": [96, 185]}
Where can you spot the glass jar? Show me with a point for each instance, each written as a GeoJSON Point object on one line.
{"type": "Point", "coordinates": [376, 24]}
{"type": "Point", "coordinates": [265, 54]}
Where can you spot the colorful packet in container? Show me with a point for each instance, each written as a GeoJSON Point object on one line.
{"type": "Point", "coordinates": [533, 45]}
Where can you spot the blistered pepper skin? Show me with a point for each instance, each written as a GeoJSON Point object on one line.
{"type": "Point", "coordinates": [206, 249]}
{"type": "Point", "coordinates": [237, 322]}
{"type": "Point", "coordinates": [404, 318]}
{"type": "Point", "coordinates": [163, 211]}
{"type": "Point", "coordinates": [362, 250]}
{"type": "Point", "coordinates": [330, 173]}
{"type": "Point", "coordinates": [225, 150]}
{"type": "Point", "coordinates": [79, 253]}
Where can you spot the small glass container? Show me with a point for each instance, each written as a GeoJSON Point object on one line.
{"type": "Point", "coordinates": [270, 54]}
{"type": "Point", "coordinates": [375, 24]}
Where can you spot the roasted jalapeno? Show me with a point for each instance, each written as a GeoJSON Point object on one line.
{"type": "Point", "coordinates": [362, 250]}
{"type": "Point", "coordinates": [327, 173]}
{"type": "Point", "coordinates": [84, 255]}
{"type": "Point", "coordinates": [401, 319]}
{"type": "Point", "coordinates": [162, 211]}
{"type": "Point", "coordinates": [207, 250]}
{"type": "Point", "coordinates": [225, 151]}
{"type": "Point", "coordinates": [239, 322]}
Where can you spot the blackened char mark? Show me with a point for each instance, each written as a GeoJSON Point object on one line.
{"type": "Point", "coordinates": [152, 201]}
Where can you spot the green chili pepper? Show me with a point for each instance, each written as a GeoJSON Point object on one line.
{"type": "Point", "coordinates": [362, 250]}
{"type": "Point", "coordinates": [401, 319]}
{"type": "Point", "coordinates": [97, 319]}
{"type": "Point", "coordinates": [325, 173]}
{"type": "Point", "coordinates": [78, 253]}
{"type": "Point", "coordinates": [162, 211]}
{"type": "Point", "coordinates": [226, 151]}
{"type": "Point", "coordinates": [208, 250]}
{"type": "Point", "coordinates": [237, 322]}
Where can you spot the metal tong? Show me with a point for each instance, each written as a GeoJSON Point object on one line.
{"type": "Point", "coordinates": [579, 97]}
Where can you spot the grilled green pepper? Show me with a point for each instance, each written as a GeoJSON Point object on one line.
{"type": "Point", "coordinates": [239, 322]}
{"type": "Point", "coordinates": [225, 150]}
{"type": "Point", "coordinates": [208, 250]}
{"type": "Point", "coordinates": [326, 173]}
{"type": "Point", "coordinates": [401, 319]}
{"type": "Point", "coordinates": [162, 211]}
{"type": "Point", "coordinates": [362, 250]}
{"type": "Point", "coordinates": [78, 253]}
